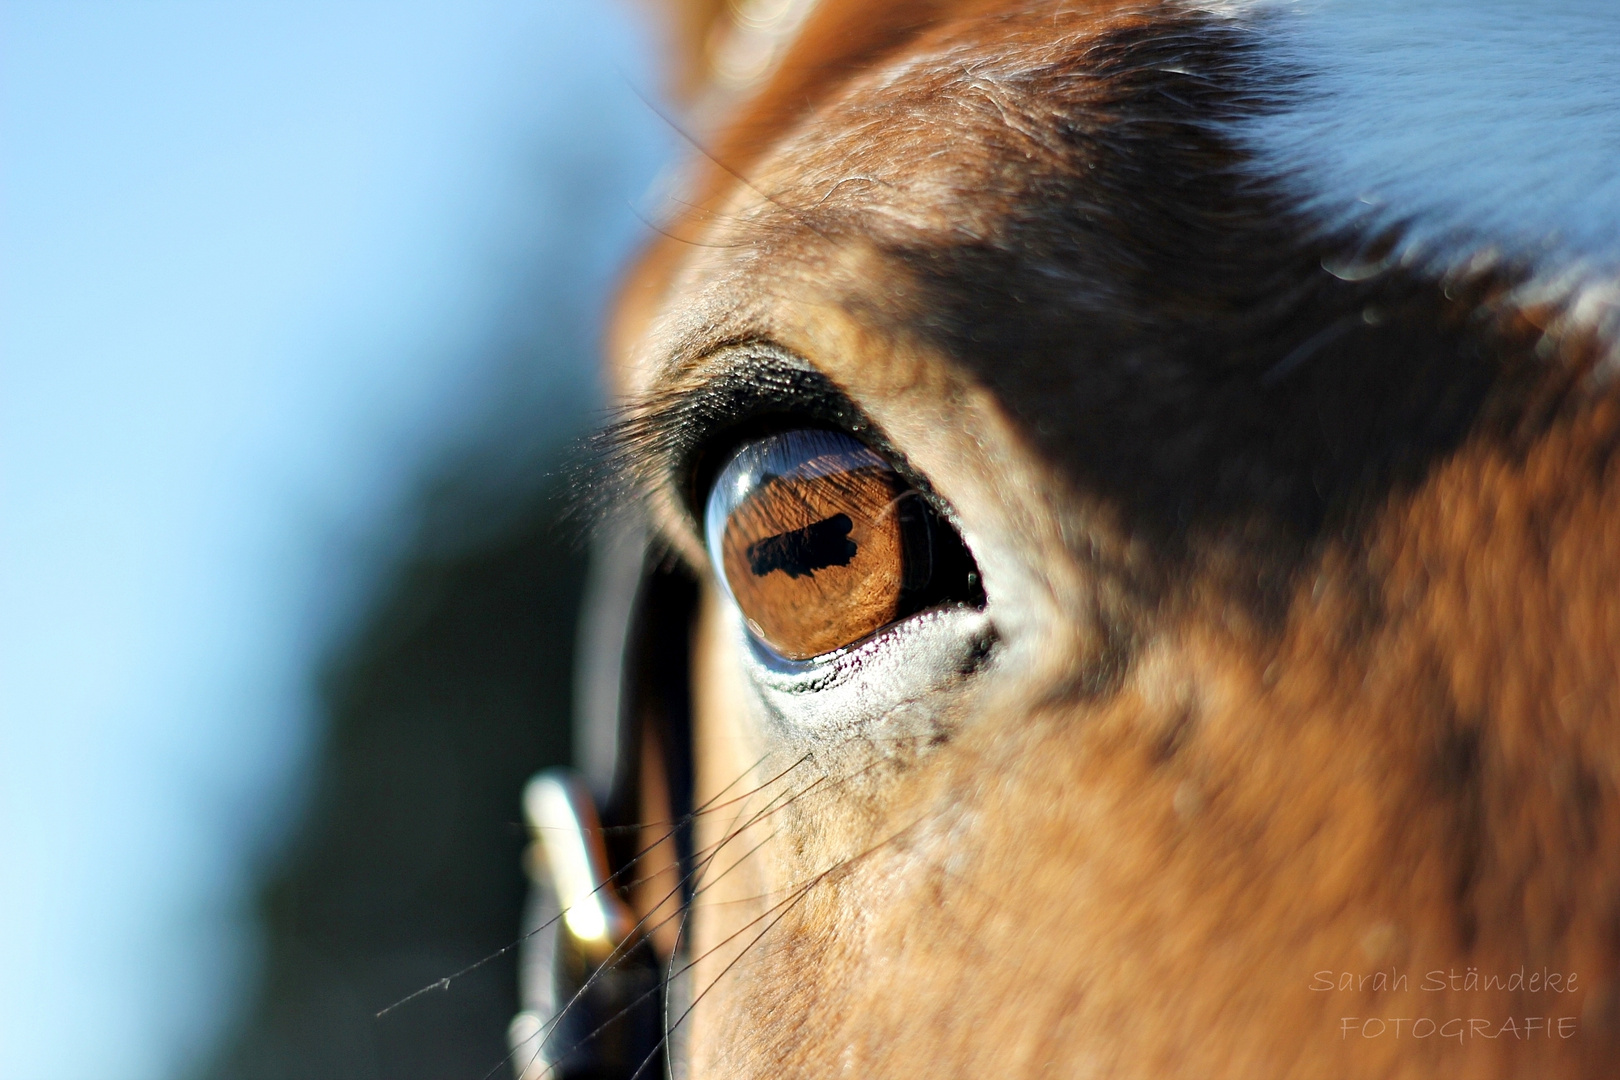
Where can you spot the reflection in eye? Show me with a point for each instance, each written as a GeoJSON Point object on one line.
{"type": "Point", "coordinates": [822, 543]}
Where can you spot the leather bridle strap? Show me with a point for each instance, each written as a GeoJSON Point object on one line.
{"type": "Point", "coordinates": [591, 972]}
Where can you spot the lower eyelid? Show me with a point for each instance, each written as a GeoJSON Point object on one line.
{"type": "Point", "coordinates": [892, 679]}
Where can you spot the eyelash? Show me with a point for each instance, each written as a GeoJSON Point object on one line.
{"type": "Point", "coordinates": [678, 437]}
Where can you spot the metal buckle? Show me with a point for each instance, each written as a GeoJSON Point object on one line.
{"type": "Point", "coordinates": [592, 986]}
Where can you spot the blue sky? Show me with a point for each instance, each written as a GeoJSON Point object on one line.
{"type": "Point", "coordinates": [258, 266]}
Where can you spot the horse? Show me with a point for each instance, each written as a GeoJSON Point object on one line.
{"type": "Point", "coordinates": [1123, 568]}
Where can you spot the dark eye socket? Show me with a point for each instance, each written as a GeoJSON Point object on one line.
{"type": "Point", "coordinates": [822, 542]}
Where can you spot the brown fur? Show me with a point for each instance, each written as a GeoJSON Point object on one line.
{"type": "Point", "coordinates": [1310, 661]}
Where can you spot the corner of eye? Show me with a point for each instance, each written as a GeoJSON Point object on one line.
{"type": "Point", "coordinates": [673, 527]}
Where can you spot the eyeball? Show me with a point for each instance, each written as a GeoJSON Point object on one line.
{"type": "Point", "coordinates": [821, 542]}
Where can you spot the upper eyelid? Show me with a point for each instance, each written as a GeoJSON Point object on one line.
{"type": "Point", "coordinates": [671, 444]}
{"type": "Point", "coordinates": [672, 438]}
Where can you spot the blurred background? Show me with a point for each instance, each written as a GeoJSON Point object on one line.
{"type": "Point", "coordinates": [299, 305]}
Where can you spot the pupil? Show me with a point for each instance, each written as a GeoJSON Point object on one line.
{"type": "Point", "coordinates": [801, 552]}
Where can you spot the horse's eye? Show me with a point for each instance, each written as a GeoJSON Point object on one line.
{"type": "Point", "coordinates": [821, 542]}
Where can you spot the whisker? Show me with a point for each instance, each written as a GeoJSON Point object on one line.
{"type": "Point", "coordinates": [641, 930]}
{"type": "Point", "coordinates": [444, 982]}
{"type": "Point", "coordinates": [790, 903]}
{"type": "Point", "coordinates": [698, 145]}
{"type": "Point", "coordinates": [668, 233]}
{"type": "Point", "coordinates": [798, 894]}
{"type": "Point", "coordinates": [645, 995]}
{"type": "Point", "coordinates": [645, 927]}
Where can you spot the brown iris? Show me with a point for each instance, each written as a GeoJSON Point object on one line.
{"type": "Point", "coordinates": [820, 541]}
